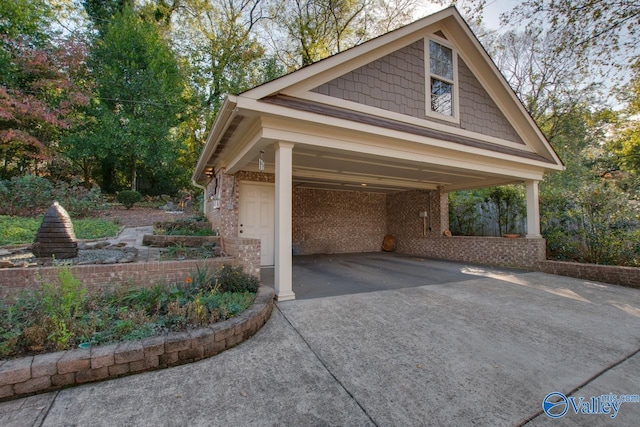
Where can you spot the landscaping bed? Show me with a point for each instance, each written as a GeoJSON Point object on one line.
{"type": "Point", "coordinates": [186, 238]}
{"type": "Point", "coordinates": [47, 372]}
{"type": "Point", "coordinates": [63, 314]}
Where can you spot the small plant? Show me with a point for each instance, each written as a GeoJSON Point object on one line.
{"type": "Point", "coordinates": [236, 280]}
{"type": "Point", "coordinates": [129, 198]}
{"type": "Point", "coordinates": [60, 305]}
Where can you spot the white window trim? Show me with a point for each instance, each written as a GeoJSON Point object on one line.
{"type": "Point", "coordinates": [456, 92]}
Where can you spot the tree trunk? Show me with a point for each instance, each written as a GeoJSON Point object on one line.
{"type": "Point", "coordinates": [133, 177]}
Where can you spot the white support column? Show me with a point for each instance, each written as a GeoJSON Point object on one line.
{"type": "Point", "coordinates": [283, 267]}
{"type": "Point", "coordinates": [533, 210]}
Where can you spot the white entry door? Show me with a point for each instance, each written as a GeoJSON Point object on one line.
{"type": "Point", "coordinates": [256, 217]}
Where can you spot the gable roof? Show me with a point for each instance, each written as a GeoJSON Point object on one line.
{"type": "Point", "coordinates": [297, 93]}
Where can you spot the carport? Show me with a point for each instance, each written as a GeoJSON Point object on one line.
{"type": "Point", "coordinates": [334, 156]}
{"type": "Point", "coordinates": [330, 275]}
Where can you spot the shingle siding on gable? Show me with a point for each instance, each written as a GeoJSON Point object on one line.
{"type": "Point", "coordinates": [396, 83]}
{"type": "Point", "coordinates": [478, 112]}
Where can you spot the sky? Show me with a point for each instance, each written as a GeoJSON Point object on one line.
{"type": "Point", "coordinates": [491, 16]}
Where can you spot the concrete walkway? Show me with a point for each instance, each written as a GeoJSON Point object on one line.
{"type": "Point", "coordinates": [483, 351]}
{"type": "Point", "coordinates": [132, 236]}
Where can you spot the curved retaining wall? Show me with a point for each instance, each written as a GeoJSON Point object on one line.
{"type": "Point", "coordinates": [53, 371]}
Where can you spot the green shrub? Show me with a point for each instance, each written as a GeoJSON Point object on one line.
{"type": "Point", "coordinates": [129, 198]}
{"type": "Point", "coordinates": [25, 195]}
{"type": "Point", "coordinates": [30, 196]}
{"type": "Point", "coordinates": [232, 279]}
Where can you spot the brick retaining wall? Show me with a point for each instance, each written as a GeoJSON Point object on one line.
{"type": "Point", "coordinates": [246, 251]}
{"type": "Point", "coordinates": [519, 253]}
{"type": "Point", "coordinates": [624, 276]}
{"type": "Point", "coordinates": [96, 277]}
{"type": "Point", "coordinates": [53, 371]}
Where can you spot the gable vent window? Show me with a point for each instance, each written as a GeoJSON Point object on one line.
{"type": "Point", "coordinates": [442, 81]}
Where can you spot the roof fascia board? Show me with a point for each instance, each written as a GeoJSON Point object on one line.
{"type": "Point", "coordinates": [506, 166]}
{"type": "Point", "coordinates": [220, 125]}
{"type": "Point", "coordinates": [278, 117]}
{"type": "Point", "coordinates": [311, 71]}
{"type": "Point", "coordinates": [236, 158]}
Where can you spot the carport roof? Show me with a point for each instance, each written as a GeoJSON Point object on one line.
{"type": "Point", "coordinates": [346, 145]}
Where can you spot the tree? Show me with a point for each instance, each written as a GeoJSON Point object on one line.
{"type": "Point", "coordinates": [140, 88]}
{"type": "Point", "coordinates": [314, 30]}
{"type": "Point", "coordinates": [547, 83]}
{"type": "Point", "coordinates": [218, 42]}
{"type": "Point", "coordinates": [102, 12]}
{"type": "Point", "coordinates": [591, 28]}
{"type": "Point", "coordinates": [25, 19]}
{"type": "Point", "coordinates": [39, 97]}
{"type": "Point", "coordinates": [626, 143]}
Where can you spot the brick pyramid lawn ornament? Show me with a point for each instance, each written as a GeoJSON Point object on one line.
{"type": "Point", "coordinates": [55, 237]}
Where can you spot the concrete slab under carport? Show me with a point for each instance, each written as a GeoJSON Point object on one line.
{"type": "Point", "coordinates": [325, 275]}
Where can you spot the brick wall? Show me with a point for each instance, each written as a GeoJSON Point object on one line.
{"type": "Point", "coordinates": [403, 214]}
{"type": "Point", "coordinates": [405, 224]}
{"type": "Point", "coordinates": [327, 221]}
{"type": "Point", "coordinates": [108, 276]}
{"type": "Point", "coordinates": [624, 276]}
{"type": "Point", "coordinates": [337, 221]}
{"type": "Point", "coordinates": [500, 251]}
{"type": "Point", "coordinates": [246, 251]}
{"type": "Point", "coordinates": [223, 218]}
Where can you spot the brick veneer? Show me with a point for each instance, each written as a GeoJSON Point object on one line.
{"type": "Point", "coordinates": [107, 276]}
{"type": "Point", "coordinates": [337, 221]}
{"type": "Point", "coordinates": [246, 251]}
{"type": "Point", "coordinates": [520, 253]}
{"type": "Point", "coordinates": [403, 214]}
{"type": "Point", "coordinates": [325, 221]}
{"type": "Point", "coordinates": [47, 372]}
{"type": "Point", "coordinates": [624, 276]}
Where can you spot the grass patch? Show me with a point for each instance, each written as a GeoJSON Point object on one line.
{"type": "Point", "coordinates": [63, 315]}
{"type": "Point", "coordinates": [21, 230]}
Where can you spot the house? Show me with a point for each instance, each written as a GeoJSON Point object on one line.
{"type": "Point", "coordinates": [335, 156]}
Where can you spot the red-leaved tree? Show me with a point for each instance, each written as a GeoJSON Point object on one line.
{"type": "Point", "coordinates": [42, 93]}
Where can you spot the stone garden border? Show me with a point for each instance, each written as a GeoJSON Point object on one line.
{"type": "Point", "coordinates": [48, 372]}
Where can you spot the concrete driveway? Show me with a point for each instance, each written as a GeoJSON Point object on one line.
{"type": "Point", "coordinates": [480, 351]}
